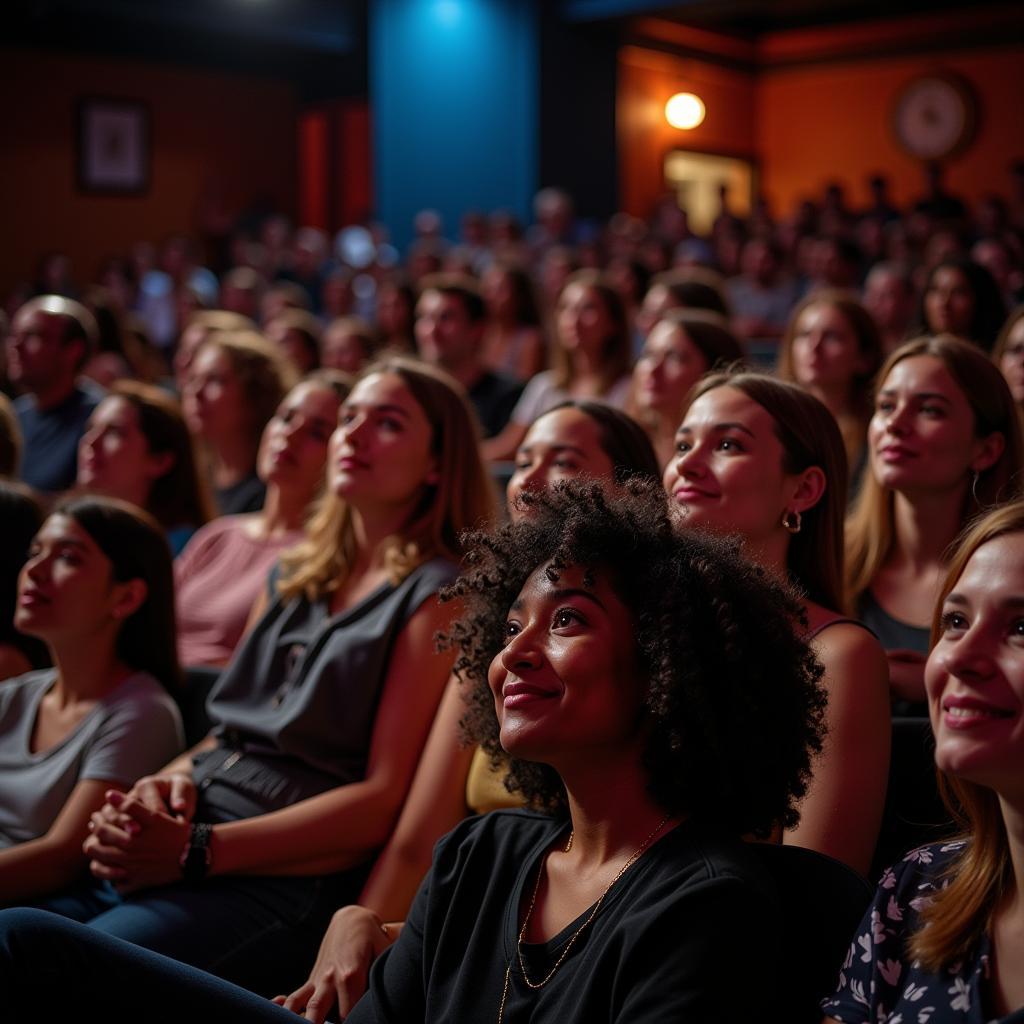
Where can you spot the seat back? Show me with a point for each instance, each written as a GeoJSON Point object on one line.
{"type": "Point", "coordinates": [823, 901]}
{"type": "Point", "coordinates": [914, 812]}
{"type": "Point", "coordinates": [198, 682]}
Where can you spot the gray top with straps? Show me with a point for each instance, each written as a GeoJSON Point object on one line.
{"type": "Point", "coordinates": [300, 696]}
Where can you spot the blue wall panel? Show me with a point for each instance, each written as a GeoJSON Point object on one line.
{"type": "Point", "coordinates": [453, 97]}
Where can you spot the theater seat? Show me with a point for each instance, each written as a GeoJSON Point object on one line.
{"type": "Point", "coordinates": [914, 811]}
{"type": "Point", "coordinates": [198, 682]}
{"type": "Point", "coordinates": [823, 901]}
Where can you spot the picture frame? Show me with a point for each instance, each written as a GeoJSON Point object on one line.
{"type": "Point", "coordinates": [113, 148]}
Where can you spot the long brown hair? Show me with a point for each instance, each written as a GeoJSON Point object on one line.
{"type": "Point", "coordinates": [617, 353]}
{"type": "Point", "coordinates": [961, 912]}
{"type": "Point", "coordinates": [463, 497]}
{"type": "Point", "coordinates": [710, 334]}
{"type": "Point", "coordinates": [809, 437]}
{"type": "Point", "coordinates": [181, 496]}
{"type": "Point", "coordinates": [137, 549]}
{"type": "Point", "coordinates": [869, 341]}
{"type": "Point", "coordinates": [264, 374]}
{"type": "Point", "coordinates": [870, 534]}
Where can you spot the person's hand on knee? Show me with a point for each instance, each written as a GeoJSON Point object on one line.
{"type": "Point", "coordinates": [355, 938]}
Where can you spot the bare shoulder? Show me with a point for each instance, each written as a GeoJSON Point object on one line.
{"type": "Point", "coordinates": [841, 642]}
{"type": "Point", "coordinates": [849, 640]}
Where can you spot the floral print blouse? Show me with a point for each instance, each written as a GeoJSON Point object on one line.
{"type": "Point", "coordinates": [879, 984]}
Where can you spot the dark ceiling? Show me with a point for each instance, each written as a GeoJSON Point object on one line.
{"type": "Point", "coordinates": [320, 45]}
{"type": "Point", "coordinates": [751, 18]}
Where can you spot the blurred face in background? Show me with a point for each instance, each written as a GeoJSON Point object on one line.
{"type": "Point", "coordinates": [669, 365]}
{"type": "Point", "coordinates": [114, 456]}
{"type": "Point", "coordinates": [949, 303]}
{"type": "Point", "coordinates": [826, 352]}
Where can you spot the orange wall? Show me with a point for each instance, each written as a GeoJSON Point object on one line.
{"type": "Point", "coordinates": [834, 122]}
{"type": "Point", "coordinates": [804, 126]}
{"type": "Point", "coordinates": [212, 135]}
{"type": "Point", "coordinates": [647, 78]}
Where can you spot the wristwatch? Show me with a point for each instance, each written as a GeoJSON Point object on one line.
{"type": "Point", "coordinates": [195, 859]}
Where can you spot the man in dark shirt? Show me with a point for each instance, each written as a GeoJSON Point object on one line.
{"type": "Point", "coordinates": [51, 338]}
{"type": "Point", "coordinates": [937, 203]}
{"type": "Point", "coordinates": [450, 319]}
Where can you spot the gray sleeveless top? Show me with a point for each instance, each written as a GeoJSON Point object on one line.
{"type": "Point", "coordinates": [892, 634]}
{"type": "Point", "coordinates": [294, 711]}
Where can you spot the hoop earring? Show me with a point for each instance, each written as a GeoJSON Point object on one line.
{"type": "Point", "coordinates": [791, 521]}
{"type": "Point", "coordinates": [974, 488]}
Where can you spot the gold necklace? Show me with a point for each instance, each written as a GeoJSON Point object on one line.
{"type": "Point", "coordinates": [579, 931]}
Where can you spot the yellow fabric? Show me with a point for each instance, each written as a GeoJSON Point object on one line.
{"type": "Point", "coordinates": [485, 789]}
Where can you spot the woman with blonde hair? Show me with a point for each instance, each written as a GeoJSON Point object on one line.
{"type": "Point", "coordinates": [832, 348]}
{"type": "Point", "coordinates": [234, 856]}
{"type": "Point", "coordinates": [762, 460]}
{"type": "Point", "coordinates": [235, 382]}
{"type": "Point", "coordinates": [223, 570]}
{"type": "Point", "coordinates": [944, 443]}
{"type": "Point", "coordinates": [944, 932]}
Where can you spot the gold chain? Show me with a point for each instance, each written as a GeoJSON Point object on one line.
{"type": "Point", "coordinates": [579, 931]}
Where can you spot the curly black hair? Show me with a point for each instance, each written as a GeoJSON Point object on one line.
{"type": "Point", "coordinates": [734, 704]}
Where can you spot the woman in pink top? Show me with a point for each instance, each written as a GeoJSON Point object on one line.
{"type": "Point", "coordinates": [224, 568]}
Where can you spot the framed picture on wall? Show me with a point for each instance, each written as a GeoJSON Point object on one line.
{"type": "Point", "coordinates": [113, 146]}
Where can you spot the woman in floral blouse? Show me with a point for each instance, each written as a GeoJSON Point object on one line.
{"type": "Point", "coordinates": [943, 941]}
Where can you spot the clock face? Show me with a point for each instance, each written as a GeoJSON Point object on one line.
{"type": "Point", "coordinates": [934, 116]}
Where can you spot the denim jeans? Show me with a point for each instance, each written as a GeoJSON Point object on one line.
{"type": "Point", "coordinates": [52, 968]}
{"type": "Point", "coordinates": [262, 933]}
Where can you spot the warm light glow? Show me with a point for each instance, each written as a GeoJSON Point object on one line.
{"type": "Point", "coordinates": [684, 110]}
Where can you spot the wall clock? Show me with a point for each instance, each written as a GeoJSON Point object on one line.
{"type": "Point", "coordinates": [934, 116]}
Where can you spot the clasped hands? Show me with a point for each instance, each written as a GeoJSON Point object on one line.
{"type": "Point", "coordinates": [135, 842]}
{"type": "Point", "coordinates": [136, 838]}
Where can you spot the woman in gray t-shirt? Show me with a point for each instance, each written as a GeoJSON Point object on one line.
{"type": "Point", "coordinates": [97, 588]}
{"type": "Point", "coordinates": [239, 852]}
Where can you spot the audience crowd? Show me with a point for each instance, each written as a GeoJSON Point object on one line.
{"type": "Point", "coordinates": [513, 629]}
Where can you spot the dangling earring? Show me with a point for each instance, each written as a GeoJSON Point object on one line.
{"type": "Point", "coordinates": [791, 521]}
{"type": "Point", "coordinates": [974, 488]}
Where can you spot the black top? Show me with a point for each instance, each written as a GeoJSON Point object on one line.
{"type": "Point", "coordinates": [691, 919]}
{"type": "Point", "coordinates": [50, 455]}
{"type": "Point", "coordinates": [245, 496]}
{"type": "Point", "coordinates": [494, 396]}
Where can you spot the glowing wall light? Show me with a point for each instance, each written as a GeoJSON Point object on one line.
{"type": "Point", "coordinates": [684, 110]}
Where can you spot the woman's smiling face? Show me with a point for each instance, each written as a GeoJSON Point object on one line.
{"type": "Point", "coordinates": [727, 473]}
{"type": "Point", "coordinates": [975, 673]}
{"type": "Point", "coordinates": [567, 680]}
{"type": "Point", "coordinates": [922, 434]}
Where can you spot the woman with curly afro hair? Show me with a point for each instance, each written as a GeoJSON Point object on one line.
{"type": "Point", "coordinates": [653, 705]}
